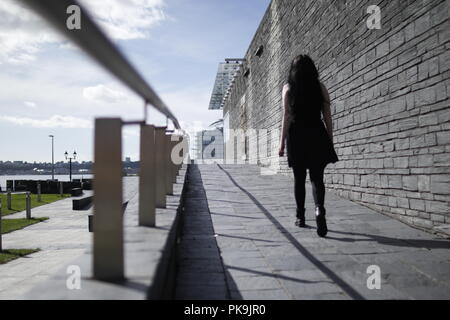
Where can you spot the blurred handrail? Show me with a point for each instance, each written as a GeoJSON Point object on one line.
{"type": "Point", "coordinates": [95, 43]}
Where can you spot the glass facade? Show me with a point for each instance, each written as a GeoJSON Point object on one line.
{"type": "Point", "coordinates": [225, 74]}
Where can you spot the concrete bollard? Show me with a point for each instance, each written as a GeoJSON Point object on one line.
{"type": "Point", "coordinates": [108, 247]}
{"type": "Point", "coordinates": [1, 225]}
{"type": "Point", "coordinates": [61, 189]}
{"type": "Point", "coordinates": [178, 150]}
{"type": "Point", "coordinates": [160, 158]}
{"type": "Point", "coordinates": [182, 142]}
{"type": "Point", "coordinates": [147, 177]}
{"type": "Point", "coordinates": [168, 165]}
{"type": "Point", "coordinates": [174, 166]}
{"type": "Point", "coordinates": [39, 199]}
{"type": "Point", "coordinates": [28, 205]}
{"type": "Point", "coordinates": [181, 153]}
{"type": "Point", "coordinates": [8, 199]}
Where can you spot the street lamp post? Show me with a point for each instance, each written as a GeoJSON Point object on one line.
{"type": "Point", "coordinates": [66, 154]}
{"type": "Point", "coordinates": [53, 158]}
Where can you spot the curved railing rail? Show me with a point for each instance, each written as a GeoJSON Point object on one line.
{"type": "Point", "coordinates": [162, 151]}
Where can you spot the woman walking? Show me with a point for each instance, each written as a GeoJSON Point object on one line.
{"type": "Point", "coordinates": [309, 141]}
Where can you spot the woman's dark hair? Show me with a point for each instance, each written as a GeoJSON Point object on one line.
{"type": "Point", "coordinates": [305, 92]}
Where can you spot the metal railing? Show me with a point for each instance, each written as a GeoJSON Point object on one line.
{"type": "Point", "coordinates": [158, 150]}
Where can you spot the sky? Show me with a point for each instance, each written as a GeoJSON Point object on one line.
{"type": "Point", "coordinates": [49, 87]}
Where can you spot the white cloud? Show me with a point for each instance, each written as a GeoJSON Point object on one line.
{"type": "Point", "coordinates": [55, 121]}
{"type": "Point", "coordinates": [126, 19]}
{"type": "Point", "coordinates": [30, 104]}
{"type": "Point", "coordinates": [23, 34]}
{"type": "Point", "coordinates": [190, 104]}
{"type": "Point", "coordinates": [102, 93]}
{"type": "Point", "coordinates": [130, 133]}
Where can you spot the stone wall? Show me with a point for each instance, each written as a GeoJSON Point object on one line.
{"type": "Point", "coordinates": [390, 98]}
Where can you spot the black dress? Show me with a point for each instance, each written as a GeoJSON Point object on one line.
{"type": "Point", "coordinates": [308, 143]}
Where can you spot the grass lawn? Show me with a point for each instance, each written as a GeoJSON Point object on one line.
{"type": "Point", "coordinates": [10, 225]}
{"type": "Point", "coordinates": [11, 254]}
{"type": "Point", "coordinates": [18, 201]}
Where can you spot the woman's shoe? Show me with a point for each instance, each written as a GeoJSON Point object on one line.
{"type": "Point", "coordinates": [300, 218]}
{"type": "Point", "coordinates": [322, 229]}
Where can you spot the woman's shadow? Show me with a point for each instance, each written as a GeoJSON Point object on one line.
{"type": "Point", "coordinates": [416, 243]}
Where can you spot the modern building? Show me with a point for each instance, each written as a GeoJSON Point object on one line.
{"type": "Point", "coordinates": [224, 78]}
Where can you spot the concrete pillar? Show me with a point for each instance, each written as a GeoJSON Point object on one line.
{"type": "Point", "coordinates": [108, 261]}
{"type": "Point", "coordinates": [39, 199]}
{"type": "Point", "coordinates": [28, 205]}
{"type": "Point", "coordinates": [181, 152]}
{"type": "Point", "coordinates": [160, 158]}
{"type": "Point", "coordinates": [169, 164]}
{"type": "Point", "coordinates": [173, 166]}
{"type": "Point", "coordinates": [1, 248]}
{"type": "Point", "coordinates": [147, 177]}
{"type": "Point", "coordinates": [8, 199]}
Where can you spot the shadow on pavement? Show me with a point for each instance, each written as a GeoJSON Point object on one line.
{"type": "Point", "coordinates": [268, 274]}
{"type": "Point", "coordinates": [350, 291]}
{"type": "Point", "coordinates": [205, 234]}
{"type": "Point", "coordinates": [416, 243]}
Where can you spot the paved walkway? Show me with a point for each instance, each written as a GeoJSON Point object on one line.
{"type": "Point", "coordinates": [264, 256]}
{"type": "Point", "coordinates": [61, 239]}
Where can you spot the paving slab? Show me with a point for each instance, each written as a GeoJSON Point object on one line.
{"type": "Point", "coordinates": [265, 256]}
{"type": "Point", "coordinates": [61, 238]}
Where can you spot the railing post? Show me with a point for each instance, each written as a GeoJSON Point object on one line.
{"type": "Point", "coordinates": [147, 179]}
{"type": "Point", "coordinates": [61, 189]}
{"type": "Point", "coordinates": [1, 225]}
{"type": "Point", "coordinates": [160, 158]}
{"type": "Point", "coordinates": [39, 199]}
{"type": "Point", "coordinates": [184, 147]}
{"type": "Point", "coordinates": [168, 165]}
{"type": "Point", "coordinates": [108, 260]}
{"type": "Point", "coordinates": [175, 165]}
{"type": "Point", "coordinates": [181, 153]}
{"type": "Point", "coordinates": [28, 204]}
{"type": "Point", "coordinates": [8, 199]}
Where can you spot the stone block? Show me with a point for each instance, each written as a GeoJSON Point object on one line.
{"type": "Point", "coordinates": [423, 183]}
{"type": "Point", "coordinates": [410, 183]}
{"type": "Point", "coordinates": [441, 160]}
{"type": "Point", "coordinates": [425, 96]}
{"type": "Point", "coordinates": [437, 218]}
{"type": "Point", "coordinates": [443, 137]}
{"type": "Point", "coordinates": [440, 184]}
{"type": "Point", "coordinates": [401, 162]}
{"type": "Point", "coordinates": [428, 119]}
{"type": "Point", "coordinates": [395, 181]}
{"type": "Point", "coordinates": [417, 204]}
